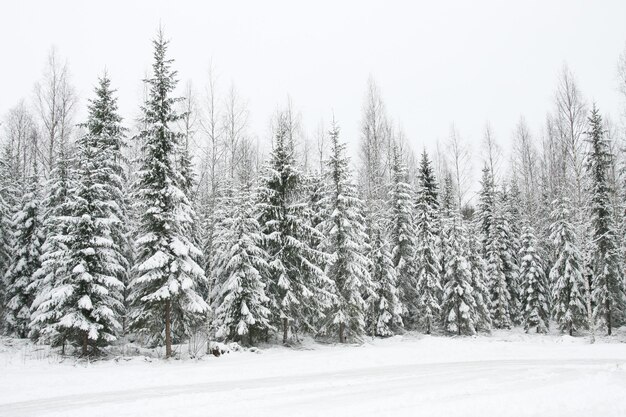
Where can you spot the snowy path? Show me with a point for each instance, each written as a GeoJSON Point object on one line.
{"type": "Point", "coordinates": [414, 377]}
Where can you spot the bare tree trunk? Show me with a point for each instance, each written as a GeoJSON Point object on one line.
{"type": "Point", "coordinates": [608, 317]}
{"type": "Point", "coordinates": [342, 336]}
{"type": "Point", "coordinates": [592, 336]}
{"type": "Point", "coordinates": [168, 330]}
{"type": "Point", "coordinates": [85, 345]}
{"type": "Point", "coordinates": [285, 330]}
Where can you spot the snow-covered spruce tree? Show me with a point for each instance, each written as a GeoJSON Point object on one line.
{"type": "Point", "coordinates": [166, 276]}
{"type": "Point", "coordinates": [507, 222]}
{"type": "Point", "coordinates": [298, 288]}
{"type": "Point", "coordinates": [84, 304]}
{"type": "Point", "coordinates": [486, 208]}
{"type": "Point", "coordinates": [447, 210]}
{"type": "Point", "coordinates": [385, 305]}
{"type": "Point", "coordinates": [458, 304]}
{"type": "Point", "coordinates": [402, 236]}
{"type": "Point", "coordinates": [566, 275]}
{"type": "Point", "coordinates": [54, 256]}
{"type": "Point", "coordinates": [502, 270]}
{"type": "Point", "coordinates": [500, 298]}
{"type": "Point", "coordinates": [608, 281]}
{"type": "Point", "coordinates": [429, 288]}
{"type": "Point", "coordinates": [535, 292]}
{"type": "Point", "coordinates": [9, 192]}
{"type": "Point", "coordinates": [346, 242]}
{"type": "Point", "coordinates": [479, 280]}
{"type": "Point", "coordinates": [316, 205]}
{"type": "Point", "coordinates": [241, 304]}
{"type": "Point", "coordinates": [27, 240]}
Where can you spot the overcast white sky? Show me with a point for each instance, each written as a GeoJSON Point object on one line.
{"type": "Point", "coordinates": [436, 62]}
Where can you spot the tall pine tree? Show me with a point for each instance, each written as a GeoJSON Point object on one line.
{"type": "Point", "coordinates": [242, 306]}
{"type": "Point", "coordinates": [458, 304]}
{"type": "Point", "coordinates": [535, 293]}
{"type": "Point", "coordinates": [166, 274]}
{"type": "Point", "coordinates": [426, 259]}
{"type": "Point", "coordinates": [24, 262]}
{"type": "Point", "coordinates": [566, 275]}
{"type": "Point", "coordinates": [84, 304]}
{"type": "Point", "coordinates": [299, 290]}
{"type": "Point", "coordinates": [608, 281]}
{"type": "Point", "coordinates": [346, 242]}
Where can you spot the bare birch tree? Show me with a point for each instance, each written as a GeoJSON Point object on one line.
{"type": "Point", "coordinates": [55, 101]}
{"type": "Point", "coordinates": [460, 164]}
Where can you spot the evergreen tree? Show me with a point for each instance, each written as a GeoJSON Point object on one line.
{"type": "Point", "coordinates": [447, 210]}
{"type": "Point", "coordinates": [345, 240]}
{"type": "Point", "coordinates": [241, 305]}
{"type": "Point", "coordinates": [608, 281]}
{"type": "Point", "coordinates": [385, 305]}
{"type": "Point", "coordinates": [500, 298]}
{"type": "Point", "coordinates": [458, 304]}
{"type": "Point", "coordinates": [566, 274]}
{"type": "Point", "coordinates": [502, 270]}
{"type": "Point", "coordinates": [27, 241]}
{"type": "Point", "coordinates": [507, 220]}
{"type": "Point", "coordinates": [316, 212]}
{"type": "Point", "coordinates": [535, 295]}
{"type": "Point", "coordinates": [166, 274]}
{"type": "Point", "coordinates": [402, 236]}
{"type": "Point", "coordinates": [478, 268]}
{"type": "Point", "coordinates": [298, 288]}
{"type": "Point", "coordinates": [85, 303]}
{"type": "Point", "coordinates": [486, 208]}
{"type": "Point", "coordinates": [429, 287]}
{"type": "Point", "coordinates": [9, 186]}
{"type": "Point", "coordinates": [54, 257]}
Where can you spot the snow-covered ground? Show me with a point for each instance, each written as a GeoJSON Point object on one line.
{"type": "Point", "coordinates": [505, 374]}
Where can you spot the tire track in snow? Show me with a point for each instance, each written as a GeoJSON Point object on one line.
{"type": "Point", "coordinates": [353, 382]}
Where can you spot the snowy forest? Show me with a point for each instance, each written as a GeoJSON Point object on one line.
{"type": "Point", "coordinates": [174, 224]}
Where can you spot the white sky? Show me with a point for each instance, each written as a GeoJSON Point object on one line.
{"type": "Point", "coordinates": [435, 62]}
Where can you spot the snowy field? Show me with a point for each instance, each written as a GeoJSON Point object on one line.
{"type": "Point", "coordinates": [505, 374]}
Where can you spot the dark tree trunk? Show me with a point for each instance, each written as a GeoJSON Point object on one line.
{"type": "Point", "coordinates": [608, 316]}
{"type": "Point", "coordinates": [285, 330]}
{"type": "Point", "coordinates": [168, 330]}
{"type": "Point", "coordinates": [85, 344]}
{"type": "Point", "coordinates": [342, 336]}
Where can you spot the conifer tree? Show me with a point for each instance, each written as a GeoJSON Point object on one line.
{"type": "Point", "coordinates": [500, 298]}
{"type": "Point", "coordinates": [429, 287]}
{"type": "Point", "coordinates": [24, 260]}
{"type": "Point", "coordinates": [507, 221]}
{"type": "Point", "coordinates": [164, 289]}
{"type": "Point", "coordinates": [566, 275]}
{"type": "Point", "coordinates": [9, 186]}
{"type": "Point", "coordinates": [316, 205]}
{"type": "Point", "coordinates": [298, 288]}
{"type": "Point", "coordinates": [458, 304]}
{"type": "Point", "coordinates": [88, 308]}
{"type": "Point", "coordinates": [385, 305]}
{"type": "Point", "coordinates": [402, 236]}
{"type": "Point", "coordinates": [535, 293]}
{"type": "Point", "coordinates": [54, 257]}
{"type": "Point", "coordinates": [486, 208]}
{"type": "Point", "coordinates": [346, 242]}
{"type": "Point", "coordinates": [479, 281]}
{"type": "Point", "coordinates": [502, 269]}
{"type": "Point", "coordinates": [241, 305]}
{"type": "Point", "coordinates": [447, 210]}
{"type": "Point", "coordinates": [608, 281]}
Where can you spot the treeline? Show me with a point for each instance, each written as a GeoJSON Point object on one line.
{"type": "Point", "coordinates": [108, 231]}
